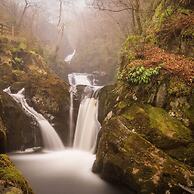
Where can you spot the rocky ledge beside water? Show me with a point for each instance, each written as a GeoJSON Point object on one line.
{"type": "Point", "coordinates": [147, 138]}
{"type": "Point", "coordinates": [22, 67]}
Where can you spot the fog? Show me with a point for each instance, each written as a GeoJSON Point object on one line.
{"type": "Point", "coordinates": [97, 36]}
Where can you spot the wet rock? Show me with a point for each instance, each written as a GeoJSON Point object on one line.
{"type": "Point", "coordinates": [125, 157]}
{"type": "Point", "coordinates": [2, 137]}
{"type": "Point", "coordinates": [44, 90]}
{"type": "Point", "coordinates": [107, 99]}
{"type": "Point", "coordinates": [157, 126]}
{"type": "Point", "coordinates": [21, 130]}
{"type": "Point", "coordinates": [161, 96]}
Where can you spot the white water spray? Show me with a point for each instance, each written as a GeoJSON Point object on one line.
{"type": "Point", "coordinates": [50, 138]}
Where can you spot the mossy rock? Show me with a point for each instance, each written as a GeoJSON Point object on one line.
{"type": "Point", "coordinates": [11, 178]}
{"type": "Point", "coordinates": [178, 87]}
{"type": "Point", "coordinates": [2, 137]}
{"type": "Point", "coordinates": [171, 26]}
{"type": "Point", "coordinates": [21, 130]}
{"type": "Point", "coordinates": [157, 126]}
{"type": "Point", "coordinates": [125, 157]}
{"type": "Point", "coordinates": [183, 154]}
{"type": "Point", "coordinates": [107, 99]}
{"type": "Point", "coordinates": [44, 91]}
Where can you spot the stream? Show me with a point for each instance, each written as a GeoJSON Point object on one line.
{"type": "Point", "coordinates": [67, 172]}
{"type": "Point", "coordinates": [59, 170]}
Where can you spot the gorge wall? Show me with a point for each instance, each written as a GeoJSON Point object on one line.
{"type": "Point", "coordinates": [147, 140]}
{"type": "Point", "coordinates": [21, 67]}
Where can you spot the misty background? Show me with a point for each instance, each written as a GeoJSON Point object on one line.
{"type": "Point", "coordinates": [61, 27]}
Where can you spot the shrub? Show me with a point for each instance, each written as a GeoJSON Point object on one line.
{"type": "Point", "coordinates": [138, 75]}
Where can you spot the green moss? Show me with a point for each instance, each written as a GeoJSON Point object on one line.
{"type": "Point", "coordinates": [132, 46]}
{"type": "Point", "coordinates": [161, 15]}
{"type": "Point", "coordinates": [11, 175]}
{"type": "Point", "coordinates": [169, 126]}
{"type": "Point", "coordinates": [125, 157]}
{"type": "Point", "coordinates": [132, 113]}
{"type": "Point", "coordinates": [157, 126]}
{"type": "Point", "coordinates": [122, 105]}
{"type": "Point", "coordinates": [178, 87]}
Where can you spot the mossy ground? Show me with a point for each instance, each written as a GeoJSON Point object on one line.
{"type": "Point", "coordinates": [12, 178]}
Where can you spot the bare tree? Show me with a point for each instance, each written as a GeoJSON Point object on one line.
{"type": "Point", "coordinates": [26, 6]}
{"type": "Point", "coordinates": [131, 6]}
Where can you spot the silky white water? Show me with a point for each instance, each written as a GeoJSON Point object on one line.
{"type": "Point", "coordinates": [51, 140]}
{"type": "Point", "coordinates": [69, 58]}
{"type": "Point", "coordinates": [87, 125]}
{"type": "Point", "coordinates": [66, 172]}
{"type": "Point", "coordinates": [72, 91]}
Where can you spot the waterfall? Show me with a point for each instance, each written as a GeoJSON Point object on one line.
{"type": "Point", "coordinates": [51, 140]}
{"type": "Point", "coordinates": [72, 91]}
{"type": "Point", "coordinates": [87, 125]}
{"type": "Point", "coordinates": [69, 58]}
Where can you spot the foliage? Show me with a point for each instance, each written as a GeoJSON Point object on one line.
{"type": "Point", "coordinates": [177, 64]}
{"type": "Point", "coordinates": [162, 15]}
{"type": "Point", "coordinates": [139, 75]}
{"type": "Point", "coordinates": [133, 47]}
{"type": "Point", "coordinates": [170, 27]}
{"type": "Point", "coordinates": [178, 87]}
{"type": "Point", "coordinates": [18, 60]}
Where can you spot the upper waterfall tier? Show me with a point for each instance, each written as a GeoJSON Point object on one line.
{"type": "Point", "coordinates": [81, 79]}
{"type": "Point", "coordinates": [83, 135]}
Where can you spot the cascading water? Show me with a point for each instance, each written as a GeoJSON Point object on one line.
{"type": "Point", "coordinates": [72, 91]}
{"type": "Point", "coordinates": [51, 140]}
{"type": "Point", "coordinates": [69, 58]}
{"type": "Point", "coordinates": [67, 171]}
{"type": "Point", "coordinates": [87, 126]}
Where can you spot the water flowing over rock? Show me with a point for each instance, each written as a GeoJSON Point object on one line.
{"type": "Point", "coordinates": [50, 138]}
{"type": "Point", "coordinates": [87, 126]}
{"type": "Point", "coordinates": [69, 58]}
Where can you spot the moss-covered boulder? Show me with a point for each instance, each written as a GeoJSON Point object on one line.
{"type": "Point", "coordinates": [127, 158]}
{"type": "Point", "coordinates": [166, 90]}
{"type": "Point", "coordinates": [107, 99]}
{"type": "Point", "coordinates": [157, 126]}
{"type": "Point", "coordinates": [11, 180]}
